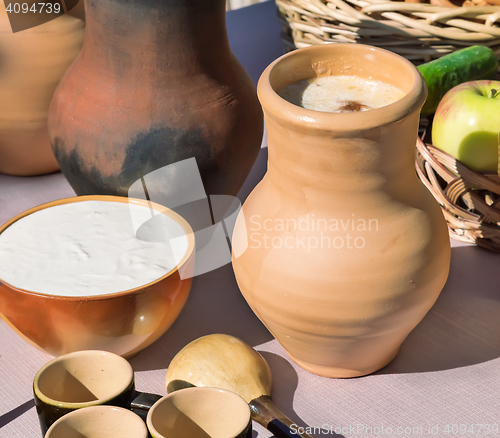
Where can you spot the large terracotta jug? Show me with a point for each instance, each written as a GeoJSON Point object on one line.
{"type": "Point", "coordinates": [156, 83]}
{"type": "Point", "coordinates": [32, 62]}
{"type": "Point", "coordinates": [340, 250]}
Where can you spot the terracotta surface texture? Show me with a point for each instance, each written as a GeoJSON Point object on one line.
{"type": "Point", "coordinates": [123, 323]}
{"type": "Point", "coordinates": [156, 83]}
{"type": "Point", "coordinates": [32, 63]}
{"type": "Point", "coordinates": [340, 250]}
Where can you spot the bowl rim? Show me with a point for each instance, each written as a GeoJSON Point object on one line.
{"type": "Point", "coordinates": [107, 198]}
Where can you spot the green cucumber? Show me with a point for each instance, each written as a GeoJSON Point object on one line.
{"type": "Point", "coordinates": [464, 65]}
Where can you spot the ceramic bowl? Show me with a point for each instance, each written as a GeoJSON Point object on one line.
{"type": "Point", "coordinates": [123, 322]}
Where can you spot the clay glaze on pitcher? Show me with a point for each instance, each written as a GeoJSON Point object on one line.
{"type": "Point", "coordinates": [340, 250]}
{"type": "Point", "coordinates": [156, 83]}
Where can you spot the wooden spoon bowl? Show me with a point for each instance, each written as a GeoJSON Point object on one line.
{"type": "Point", "coordinates": [226, 362]}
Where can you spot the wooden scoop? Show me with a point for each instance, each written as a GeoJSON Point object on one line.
{"type": "Point", "coordinates": [226, 362]}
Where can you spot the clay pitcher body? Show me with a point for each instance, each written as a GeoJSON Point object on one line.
{"type": "Point", "coordinates": [156, 83]}
{"type": "Point", "coordinates": [32, 62]}
{"type": "Point", "coordinates": [340, 250]}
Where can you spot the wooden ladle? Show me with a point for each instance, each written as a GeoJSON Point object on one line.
{"type": "Point", "coordinates": [226, 362]}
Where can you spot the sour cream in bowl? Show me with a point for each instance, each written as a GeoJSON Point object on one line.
{"type": "Point", "coordinates": [77, 275]}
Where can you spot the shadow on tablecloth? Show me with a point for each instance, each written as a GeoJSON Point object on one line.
{"type": "Point", "coordinates": [215, 305]}
{"type": "Point", "coordinates": [286, 385]}
{"type": "Point", "coordinates": [463, 327]}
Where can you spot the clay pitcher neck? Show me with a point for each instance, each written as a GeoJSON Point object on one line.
{"type": "Point", "coordinates": [174, 36]}
{"type": "Point", "coordinates": [343, 154]}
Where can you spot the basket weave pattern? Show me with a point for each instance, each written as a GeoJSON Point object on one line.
{"type": "Point", "coordinates": [418, 31]}
{"type": "Point", "coordinates": [470, 200]}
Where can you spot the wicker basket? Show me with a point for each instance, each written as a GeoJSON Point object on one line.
{"type": "Point", "coordinates": [470, 200]}
{"type": "Point", "coordinates": [418, 31]}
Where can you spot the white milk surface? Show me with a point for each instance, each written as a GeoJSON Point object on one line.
{"type": "Point", "coordinates": [340, 94]}
{"type": "Point", "coordinates": [87, 248]}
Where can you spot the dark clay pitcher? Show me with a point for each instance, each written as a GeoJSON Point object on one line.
{"type": "Point", "coordinates": [155, 84]}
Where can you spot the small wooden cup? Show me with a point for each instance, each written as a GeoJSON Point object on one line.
{"type": "Point", "coordinates": [85, 379]}
{"type": "Point", "coordinates": [79, 380]}
{"type": "Point", "coordinates": [200, 412]}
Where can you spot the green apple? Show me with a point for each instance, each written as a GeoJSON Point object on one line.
{"type": "Point", "coordinates": [467, 123]}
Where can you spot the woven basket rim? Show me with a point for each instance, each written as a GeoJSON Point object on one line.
{"type": "Point", "coordinates": [479, 224]}
{"type": "Point", "coordinates": [417, 31]}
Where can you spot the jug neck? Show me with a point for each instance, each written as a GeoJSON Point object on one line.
{"type": "Point", "coordinates": [343, 153]}
{"type": "Point", "coordinates": [170, 36]}
{"type": "Point", "coordinates": [321, 164]}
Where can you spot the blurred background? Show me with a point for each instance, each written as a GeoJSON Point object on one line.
{"type": "Point", "coordinates": [235, 4]}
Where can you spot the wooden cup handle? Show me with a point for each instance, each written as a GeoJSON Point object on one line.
{"type": "Point", "coordinates": [142, 402]}
{"type": "Point", "coordinates": [268, 415]}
